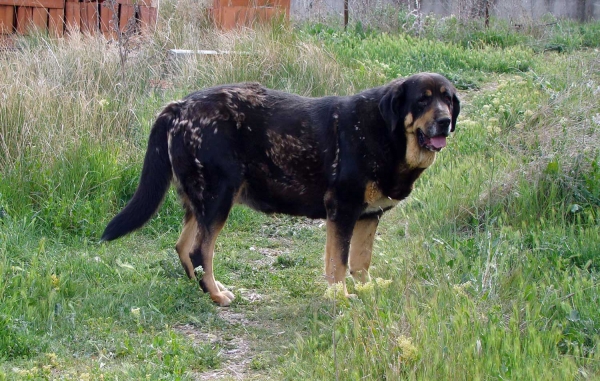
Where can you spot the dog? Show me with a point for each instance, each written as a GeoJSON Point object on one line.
{"type": "Point", "coordinates": [345, 159]}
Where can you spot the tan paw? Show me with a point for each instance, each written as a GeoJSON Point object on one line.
{"type": "Point", "coordinates": [220, 286]}
{"type": "Point", "coordinates": [361, 276]}
{"type": "Point", "coordinates": [223, 298]}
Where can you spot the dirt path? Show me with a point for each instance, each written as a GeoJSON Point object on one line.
{"type": "Point", "coordinates": [242, 354]}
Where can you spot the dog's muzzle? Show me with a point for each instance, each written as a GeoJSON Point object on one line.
{"type": "Point", "coordinates": [435, 137]}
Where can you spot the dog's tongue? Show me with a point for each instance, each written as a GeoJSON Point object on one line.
{"type": "Point", "coordinates": [438, 142]}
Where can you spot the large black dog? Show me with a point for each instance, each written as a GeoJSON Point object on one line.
{"type": "Point", "coordinates": [344, 159]}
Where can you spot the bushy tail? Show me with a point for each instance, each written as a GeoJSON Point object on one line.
{"type": "Point", "coordinates": [154, 183]}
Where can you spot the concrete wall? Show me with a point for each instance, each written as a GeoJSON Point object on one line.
{"type": "Point", "coordinates": [316, 9]}
{"type": "Point", "coordinates": [581, 10]}
{"type": "Point", "coordinates": [516, 10]}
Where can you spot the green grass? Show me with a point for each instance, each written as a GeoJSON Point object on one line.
{"type": "Point", "coordinates": [488, 271]}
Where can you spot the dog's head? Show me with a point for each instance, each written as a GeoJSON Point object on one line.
{"type": "Point", "coordinates": [424, 106]}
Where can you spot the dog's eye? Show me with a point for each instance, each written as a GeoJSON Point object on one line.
{"type": "Point", "coordinates": [447, 98]}
{"type": "Point", "coordinates": [423, 101]}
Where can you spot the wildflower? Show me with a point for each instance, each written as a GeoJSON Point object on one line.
{"type": "Point", "coordinates": [408, 351]}
{"type": "Point", "coordinates": [460, 288]}
{"type": "Point", "coordinates": [364, 288]}
{"type": "Point", "coordinates": [336, 293]}
{"type": "Point", "coordinates": [494, 129]}
{"type": "Point", "coordinates": [383, 283]}
{"type": "Point", "coordinates": [467, 123]}
{"type": "Point", "coordinates": [55, 281]}
{"type": "Point", "coordinates": [52, 358]}
{"type": "Point", "coordinates": [136, 313]}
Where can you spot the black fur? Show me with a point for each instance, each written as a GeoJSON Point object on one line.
{"type": "Point", "coordinates": [154, 183]}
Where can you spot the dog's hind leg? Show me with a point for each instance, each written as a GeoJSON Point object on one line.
{"type": "Point", "coordinates": [214, 207]}
{"type": "Point", "coordinates": [186, 240]}
{"type": "Point", "coordinates": [361, 248]}
{"type": "Point", "coordinates": [203, 255]}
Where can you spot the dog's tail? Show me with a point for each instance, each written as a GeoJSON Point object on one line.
{"type": "Point", "coordinates": [154, 181]}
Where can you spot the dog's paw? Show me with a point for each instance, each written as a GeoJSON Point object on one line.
{"type": "Point", "coordinates": [220, 286]}
{"type": "Point", "coordinates": [223, 298]}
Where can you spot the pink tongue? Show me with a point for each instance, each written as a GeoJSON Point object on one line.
{"type": "Point", "coordinates": [438, 142]}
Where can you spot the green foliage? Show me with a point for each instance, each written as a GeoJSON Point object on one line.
{"type": "Point", "coordinates": [383, 57]}
{"type": "Point", "coordinates": [14, 341]}
{"type": "Point", "coordinates": [566, 36]}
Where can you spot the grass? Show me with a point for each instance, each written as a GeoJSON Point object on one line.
{"type": "Point", "coordinates": [488, 271]}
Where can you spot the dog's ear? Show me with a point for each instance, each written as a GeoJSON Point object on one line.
{"type": "Point", "coordinates": [455, 111]}
{"type": "Point", "coordinates": [390, 103]}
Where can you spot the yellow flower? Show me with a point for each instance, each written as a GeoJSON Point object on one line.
{"type": "Point", "coordinates": [336, 293]}
{"type": "Point", "coordinates": [368, 287]}
{"type": "Point", "coordinates": [52, 358]}
{"type": "Point", "coordinates": [460, 288]}
{"type": "Point", "coordinates": [408, 351]}
{"type": "Point", "coordinates": [364, 288]}
{"type": "Point", "coordinates": [55, 281]}
{"type": "Point", "coordinates": [383, 283]}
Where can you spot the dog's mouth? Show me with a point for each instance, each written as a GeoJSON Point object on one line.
{"type": "Point", "coordinates": [434, 143]}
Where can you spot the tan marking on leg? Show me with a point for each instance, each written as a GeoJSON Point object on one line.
{"type": "Point", "coordinates": [218, 293]}
{"type": "Point", "coordinates": [361, 249]}
{"type": "Point", "coordinates": [372, 193]}
{"type": "Point", "coordinates": [185, 244]}
{"type": "Point", "coordinates": [335, 269]}
{"type": "Point", "coordinates": [238, 198]}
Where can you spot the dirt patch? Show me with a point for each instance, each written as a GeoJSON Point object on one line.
{"type": "Point", "coordinates": [241, 359]}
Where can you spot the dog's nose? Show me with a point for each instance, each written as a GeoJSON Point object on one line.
{"type": "Point", "coordinates": [444, 125]}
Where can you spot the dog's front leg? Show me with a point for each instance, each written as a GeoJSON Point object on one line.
{"type": "Point", "coordinates": [361, 248]}
{"type": "Point", "coordinates": [340, 225]}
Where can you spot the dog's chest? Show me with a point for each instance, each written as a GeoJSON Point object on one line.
{"type": "Point", "coordinates": [380, 205]}
{"type": "Point", "coordinates": [376, 201]}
